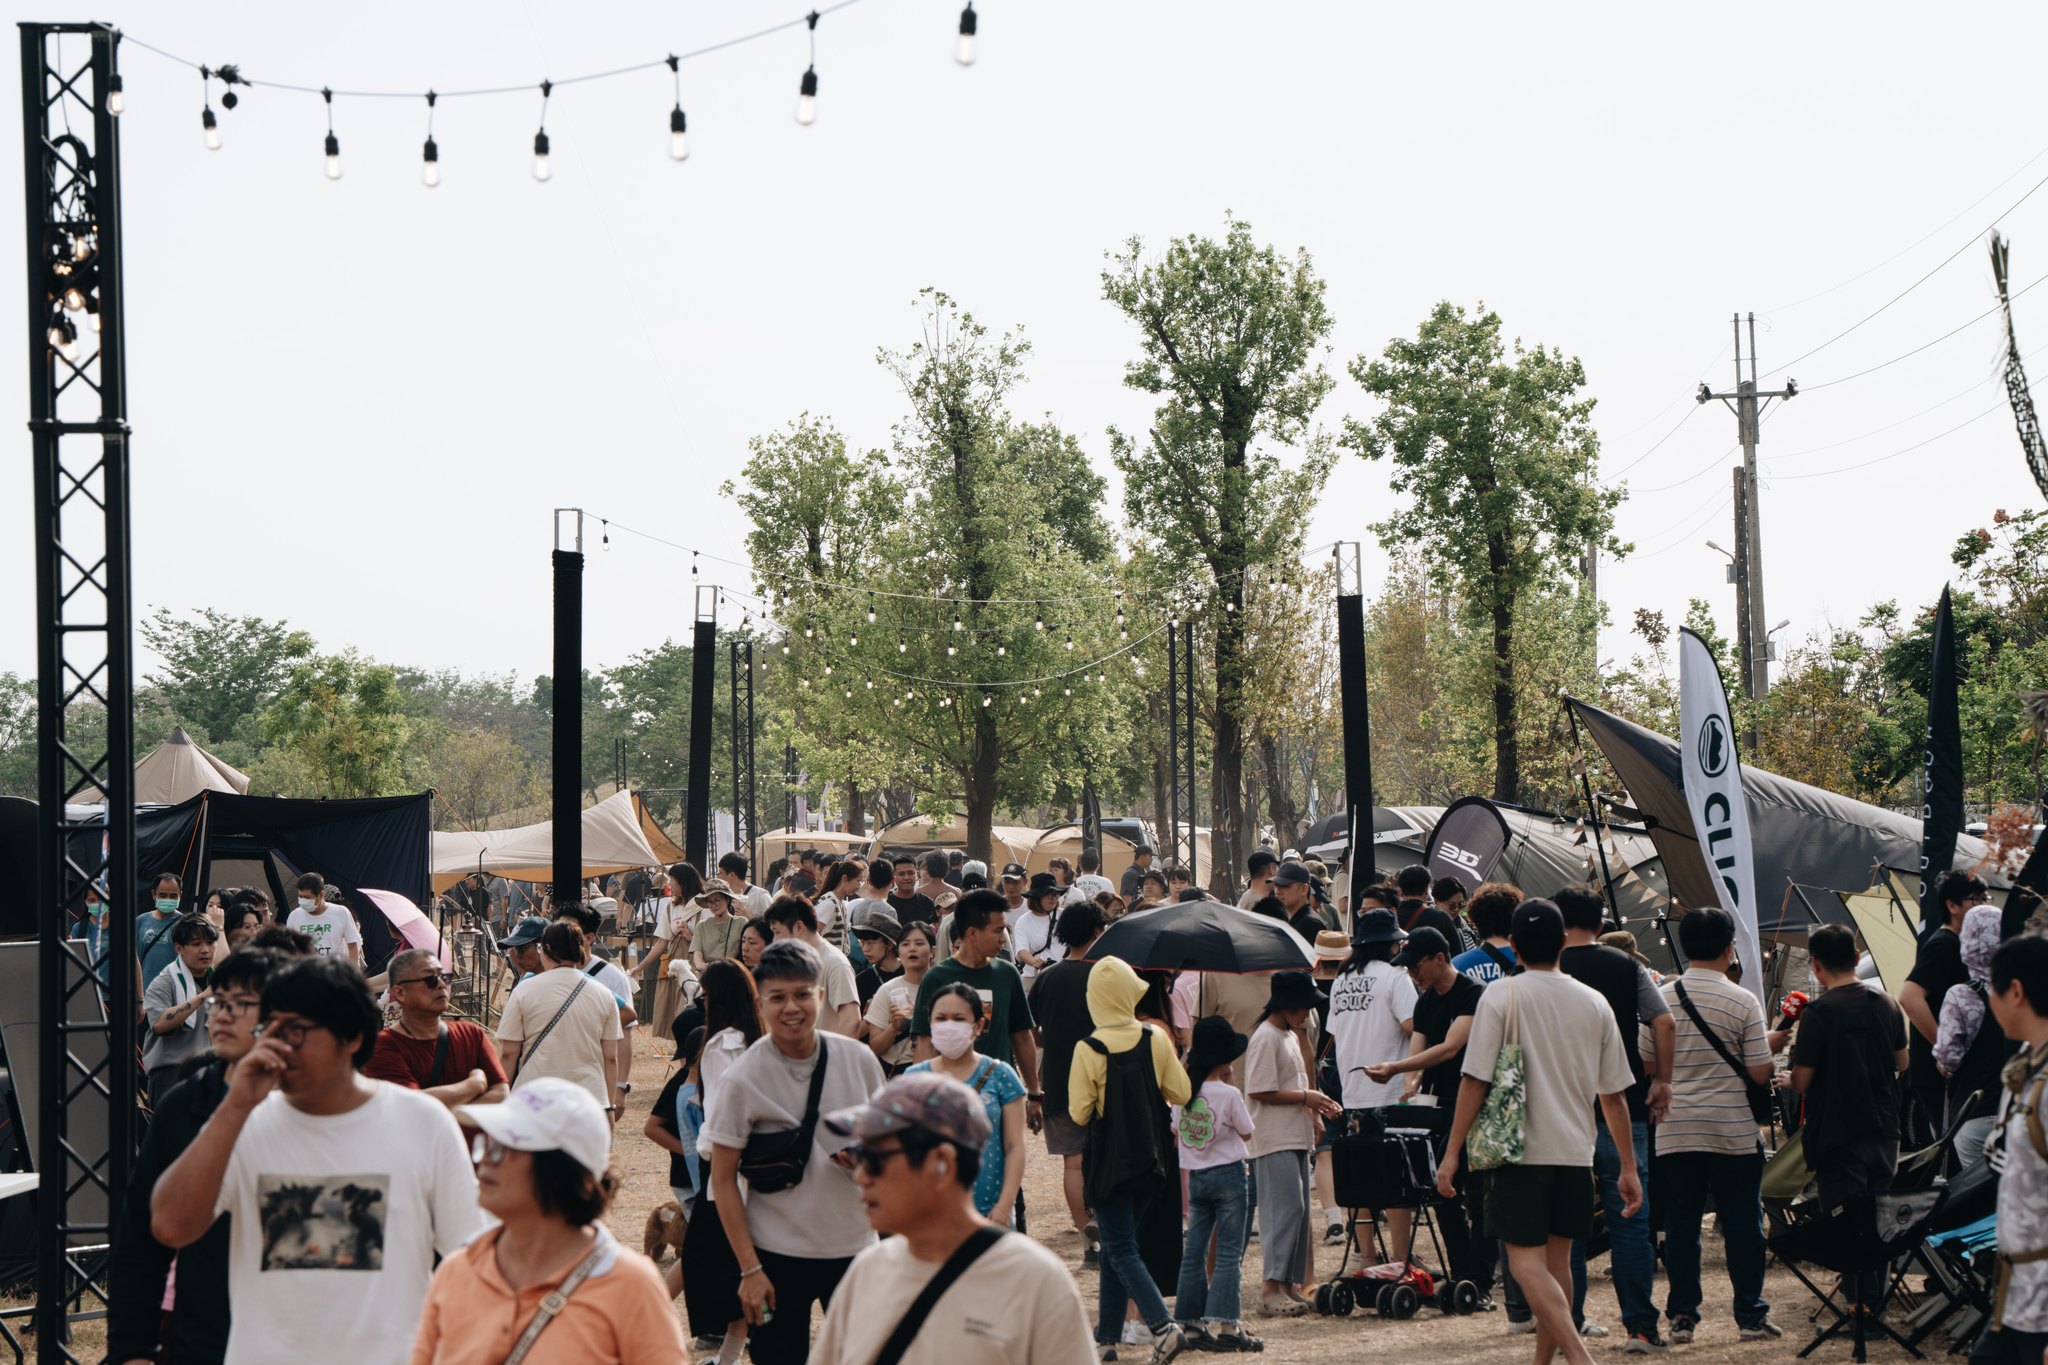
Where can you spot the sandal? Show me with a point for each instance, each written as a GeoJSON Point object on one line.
{"type": "Point", "coordinates": [1227, 1343]}
{"type": "Point", "coordinates": [1286, 1308]}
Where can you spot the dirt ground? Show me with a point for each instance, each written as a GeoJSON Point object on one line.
{"type": "Point", "coordinates": [643, 1172]}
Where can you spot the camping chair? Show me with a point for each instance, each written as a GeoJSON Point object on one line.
{"type": "Point", "coordinates": [1918, 1170]}
{"type": "Point", "coordinates": [1960, 1265]}
{"type": "Point", "coordinates": [1861, 1240]}
{"type": "Point", "coordinates": [1786, 1176]}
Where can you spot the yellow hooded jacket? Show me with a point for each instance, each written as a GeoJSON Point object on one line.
{"type": "Point", "coordinates": [1114, 991]}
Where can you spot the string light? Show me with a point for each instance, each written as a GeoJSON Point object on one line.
{"type": "Point", "coordinates": [333, 142]}
{"type": "Point", "coordinates": [901, 646]}
{"type": "Point", "coordinates": [430, 155]}
{"type": "Point", "coordinates": [969, 22]}
{"type": "Point", "coordinates": [206, 118]}
{"type": "Point", "coordinates": [115, 104]}
{"type": "Point", "coordinates": [693, 569]}
{"type": "Point", "coordinates": [605, 534]}
{"type": "Point", "coordinates": [64, 337]}
{"type": "Point", "coordinates": [853, 640]}
{"type": "Point", "coordinates": [541, 170]}
{"type": "Point", "coordinates": [807, 88]}
{"type": "Point", "coordinates": [956, 621]}
{"type": "Point", "coordinates": [678, 147]}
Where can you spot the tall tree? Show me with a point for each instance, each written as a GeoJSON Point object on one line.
{"type": "Point", "coordinates": [1228, 336]}
{"type": "Point", "coordinates": [342, 717]}
{"type": "Point", "coordinates": [1497, 456]}
{"type": "Point", "coordinates": [219, 672]}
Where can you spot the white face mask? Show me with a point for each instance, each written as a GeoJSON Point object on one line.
{"type": "Point", "coordinates": [952, 1037]}
{"type": "Point", "coordinates": [306, 904]}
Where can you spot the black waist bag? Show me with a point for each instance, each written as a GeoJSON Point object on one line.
{"type": "Point", "coordinates": [773, 1162]}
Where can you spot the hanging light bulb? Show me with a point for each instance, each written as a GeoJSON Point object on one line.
{"type": "Point", "coordinates": [964, 53]}
{"type": "Point", "coordinates": [956, 621]}
{"type": "Point", "coordinates": [785, 649]}
{"type": "Point", "coordinates": [82, 247]}
{"type": "Point", "coordinates": [693, 571]}
{"type": "Point", "coordinates": [807, 89]}
{"type": "Point", "coordinates": [871, 612]}
{"type": "Point", "coordinates": [1069, 691]}
{"type": "Point", "coordinates": [1070, 642]}
{"type": "Point", "coordinates": [212, 127]}
{"type": "Point", "coordinates": [115, 104]}
{"type": "Point", "coordinates": [64, 338]}
{"type": "Point", "coordinates": [678, 146]}
{"type": "Point", "coordinates": [1001, 650]}
{"type": "Point", "coordinates": [74, 299]}
{"type": "Point", "coordinates": [542, 171]}
{"type": "Point", "coordinates": [951, 650]}
{"type": "Point", "coordinates": [807, 630]}
{"type": "Point", "coordinates": [1041, 621]}
{"type": "Point", "coordinates": [849, 694]}
{"type": "Point", "coordinates": [828, 670]}
{"type": "Point", "coordinates": [430, 164]}
{"type": "Point", "coordinates": [804, 683]}
{"type": "Point", "coordinates": [605, 535]}
{"type": "Point", "coordinates": [333, 142]}
{"type": "Point", "coordinates": [901, 647]}
{"type": "Point", "coordinates": [986, 698]}
{"type": "Point", "coordinates": [853, 640]}
{"type": "Point", "coordinates": [871, 684]}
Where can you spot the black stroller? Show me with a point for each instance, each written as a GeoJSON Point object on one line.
{"type": "Point", "coordinates": [1376, 1167]}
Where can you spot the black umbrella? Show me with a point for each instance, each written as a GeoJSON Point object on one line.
{"type": "Point", "coordinates": [1204, 936]}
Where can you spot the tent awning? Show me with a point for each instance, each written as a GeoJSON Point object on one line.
{"type": "Point", "coordinates": [613, 841]}
{"type": "Point", "coordinates": [178, 770]}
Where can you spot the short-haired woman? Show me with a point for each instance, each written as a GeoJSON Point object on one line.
{"type": "Point", "coordinates": [541, 1159]}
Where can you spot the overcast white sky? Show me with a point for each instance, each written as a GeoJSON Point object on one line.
{"type": "Point", "coordinates": [356, 402]}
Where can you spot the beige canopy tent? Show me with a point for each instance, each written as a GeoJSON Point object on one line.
{"type": "Point", "coordinates": [1064, 841]}
{"type": "Point", "coordinates": [785, 843]}
{"type": "Point", "coordinates": [613, 841]}
{"type": "Point", "coordinates": [666, 851]}
{"type": "Point", "coordinates": [1007, 843]}
{"type": "Point", "coordinates": [178, 770]}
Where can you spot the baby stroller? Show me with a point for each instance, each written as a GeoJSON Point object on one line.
{"type": "Point", "coordinates": [1374, 1167]}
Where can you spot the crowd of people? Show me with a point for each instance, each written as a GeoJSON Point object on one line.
{"type": "Point", "coordinates": [865, 1051]}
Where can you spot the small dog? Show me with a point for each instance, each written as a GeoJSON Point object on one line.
{"type": "Point", "coordinates": [665, 1227]}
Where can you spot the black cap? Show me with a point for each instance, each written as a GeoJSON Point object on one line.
{"type": "Point", "coordinates": [1291, 874]}
{"type": "Point", "coordinates": [1422, 943]}
{"type": "Point", "coordinates": [1143, 850]}
{"type": "Point", "coordinates": [1014, 870]}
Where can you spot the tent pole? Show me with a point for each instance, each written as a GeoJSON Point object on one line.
{"type": "Point", "coordinates": [1593, 814]}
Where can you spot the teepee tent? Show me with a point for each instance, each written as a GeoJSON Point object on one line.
{"type": "Point", "coordinates": [178, 770]}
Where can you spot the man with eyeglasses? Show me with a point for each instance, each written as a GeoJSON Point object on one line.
{"type": "Point", "coordinates": [323, 1170]}
{"type": "Point", "coordinates": [196, 1328]}
{"type": "Point", "coordinates": [1937, 968]}
{"type": "Point", "coordinates": [454, 1061]}
{"type": "Point", "coordinates": [921, 1138]}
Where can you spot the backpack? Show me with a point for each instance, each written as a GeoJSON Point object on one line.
{"type": "Point", "coordinates": [1131, 1140]}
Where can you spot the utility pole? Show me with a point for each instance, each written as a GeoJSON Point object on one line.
{"type": "Point", "coordinates": [1748, 402]}
{"type": "Point", "coordinates": [1752, 655]}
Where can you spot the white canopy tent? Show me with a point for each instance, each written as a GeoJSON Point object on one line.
{"type": "Point", "coordinates": [178, 770]}
{"type": "Point", "coordinates": [613, 841]}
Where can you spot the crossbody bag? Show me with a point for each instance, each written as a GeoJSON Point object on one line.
{"type": "Point", "coordinates": [553, 1303]}
{"type": "Point", "coordinates": [526, 1053]}
{"type": "Point", "coordinates": [964, 1255]}
{"type": "Point", "coordinates": [776, 1161]}
{"type": "Point", "coordinates": [437, 1073]}
{"type": "Point", "coordinates": [1762, 1102]}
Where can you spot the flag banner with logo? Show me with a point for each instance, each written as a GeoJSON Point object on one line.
{"type": "Point", "coordinates": [1941, 777]}
{"type": "Point", "coordinates": [1467, 842]}
{"type": "Point", "coordinates": [1711, 773]}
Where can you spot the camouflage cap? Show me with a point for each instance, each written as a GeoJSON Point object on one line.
{"type": "Point", "coordinates": [937, 1104]}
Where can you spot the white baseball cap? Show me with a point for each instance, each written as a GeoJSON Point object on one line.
{"type": "Point", "coordinates": [547, 1114]}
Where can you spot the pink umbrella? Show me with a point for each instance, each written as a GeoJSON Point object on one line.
{"type": "Point", "coordinates": [411, 924]}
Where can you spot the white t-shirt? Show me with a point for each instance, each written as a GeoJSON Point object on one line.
{"type": "Point", "coordinates": [1031, 932]}
{"type": "Point", "coordinates": [1016, 1305]}
{"type": "Point", "coordinates": [612, 977]}
{"type": "Point", "coordinates": [1367, 1009]}
{"type": "Point", "coordinates": [574, 1048]}
{"type": "Point", "coordinates": [837, 982]}
{"type": "Point", "coordinates": [1571, 1053]}
{"type": "Point", "coordinates": [721, 1050]}
{"type": "Point", "coordinates": [820, 1216]}
{"type": "Point", "coordinates": [894, 991]}
{"type": "Point", "coordinates": [1087, 887]}
{"type": "Point", "coordinates": [330, 929]}
{"type": "Point", "coordinates": [336, 1222]}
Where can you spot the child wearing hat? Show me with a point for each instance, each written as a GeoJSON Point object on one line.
{"type": "Point", "coordinates": [1285, 1111]}
{"type": "Point", "coordinates": [1211, 1129]}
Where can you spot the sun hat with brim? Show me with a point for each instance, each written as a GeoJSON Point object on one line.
{"type": "Point", "coordinates": [880, 924]}
{"type": "Point", "coordinates": [547, 1114]}
{"type": "Point", "coordinates": [925, 1100]}
{"type": "Point", "coordinates": [1378, 926]}
{"type": "Point", "coordinates": [719, 892]}
{"type": "Point", "coordinates": [1294, 991]}
{"type": "Point", "coordinates": [1215, 1044]}
{"type": "Point", "coordinates": [1332, 946]}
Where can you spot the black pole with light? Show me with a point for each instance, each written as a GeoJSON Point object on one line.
{"type": "Point", "coordinates": [703, 696]}
{"type": "Point", "coordinates": [1357, 729]}
{"type": "Point", "coordinates": [567, 722]}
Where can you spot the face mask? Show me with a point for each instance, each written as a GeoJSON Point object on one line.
{"type": "Point", "coordinates": [952, 1037]}
{"type": "Point", "coordinates": [166, 905]}
{"type": "Point", "coordinates": [306, 904]}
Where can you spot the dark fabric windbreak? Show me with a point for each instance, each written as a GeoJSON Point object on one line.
{"type": "Point", "coordinates": [1799, 834]}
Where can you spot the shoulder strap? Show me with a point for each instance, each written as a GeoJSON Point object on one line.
{"type": "Point", "coordinates": [965, 1255]}
{"type": "Point", "coordinates": [988, 1071]}
{"type": "Point", "coordinates": [158, 936]}
{"type": "Point", "coordinates": [809, 1128]}
{"type": "Point", "coordinates": [596, 966]}
{"type": "Point", "coordinates": [1507, 968]}
{"type": "Point", "coordinates": [1693, 1011]}
{"type": "Point", "coordinates": [553, 1303]}
{"type": "Point", "coordinates": [436, 1075]}
{"type": "Point", "coordinates": [533, 1045]}
{"type": "Point", "coordinates": [1096, 1043]}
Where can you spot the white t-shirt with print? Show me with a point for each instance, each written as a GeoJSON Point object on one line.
{"type": "Point", "coordinates": [1367, 1009]}
{"type": "Point", "coordinates": [1087, 887]}
{"type": "Point", "coordinates": [331, 929]}
{"type": "Point", "coordinates": [336, 1222]}
{"type": "Point", "coordinates": [1016, 1305]}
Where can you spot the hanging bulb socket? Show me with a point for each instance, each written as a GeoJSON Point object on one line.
{"type": "Point", "coordinates": [212, 127]}
{"type": "Point", "coordinates": [807, 98]}
{"type": "Point", "coordinates": [969, 23]}
{"type": "Point", "coordinates": [542, 171]}
{"type": "Point", "coordinates": [115, 103]}
{"type": "Point", "coordinates": [430, 164]}
{"type": "Point", "coordinates": [333, 157]}
{"type": "Point", "coordinates": [678, 145]}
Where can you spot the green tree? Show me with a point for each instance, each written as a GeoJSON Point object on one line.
{"type": "Point", "coordinates": [1228, 337]}
{"type": "Point", "coordinates": [480, 775]}
{"type": "Point", "coordinates": [1497, 457]}
{"type": "Point", "coordinates": [342, 717]}
{"type": "Point", "coordinates": [220, 672]}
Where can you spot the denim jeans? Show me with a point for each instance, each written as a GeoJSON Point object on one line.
{"type": "Point", "coordinates": [1124, 1277]}
{"type": "Point", "coordinates": [1634, 1257]}
{"type": "Point", "coordinates": [1216, 1202]}
{"type": "Point", "coordinates": [1685, 1179]}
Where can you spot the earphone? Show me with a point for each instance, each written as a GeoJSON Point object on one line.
{"type": "Point", "coordinates": [942, 1168]}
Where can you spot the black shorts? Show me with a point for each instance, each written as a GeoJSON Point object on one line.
{"type": "Point", "coordinates": [1528, 1205]}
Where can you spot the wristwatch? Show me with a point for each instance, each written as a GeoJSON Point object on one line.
{"type": "Point", "coordinates": [1038, 1098]}
{"type": "Point", "coordinates": [623, 1087]}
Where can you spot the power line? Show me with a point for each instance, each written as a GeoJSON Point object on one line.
{"type": "Point", "coordinates": [1865, 464]}
{"type": "Point", "coordinates": [1687, 534]}
{"type": "Point", "coordinates": [1830, 383]}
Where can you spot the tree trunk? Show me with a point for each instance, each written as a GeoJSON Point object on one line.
{"type": "Point", "coordinates": [981, 788]}
{"type": "Point", "coordinates": [1507, 759]}
{"type": "Point", "coordinates": [1227, 842]}
{"type": "Point", "coordinates": [1279, 802]}
{"type": "Point", "coordinates": [1153, 709]}
{"type": "Point", "coordinates": [856, 809]}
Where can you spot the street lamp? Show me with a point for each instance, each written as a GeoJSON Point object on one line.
{"type": "Point", "coordinates": [1731, 559]}
{"type": "Point", "coordinates": [1771, 645]}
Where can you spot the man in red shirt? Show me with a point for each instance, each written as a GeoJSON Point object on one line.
{"type": "Point", "coordinates": [454, 1061]}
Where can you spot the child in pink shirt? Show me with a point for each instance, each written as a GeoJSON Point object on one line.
{"type": "Point", "coordinates": [1211, 1129]}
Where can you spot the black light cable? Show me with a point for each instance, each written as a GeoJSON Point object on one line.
{"type": "Point", "coordinates": [430, 155]}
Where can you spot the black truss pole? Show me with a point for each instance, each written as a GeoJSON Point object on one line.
{"type": "Point", "coordinates": [703, 696]}
{"type": "Point", "coordinates": [1354, 710]}
{"type": "Point", "coordinates": [567, 802]}
{"type": "Point", "coordinates": [86, 1113]}
{"type": "Point", "coordinates": [740, 666]}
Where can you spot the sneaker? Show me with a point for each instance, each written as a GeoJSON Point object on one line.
{"type": "Point", "coordinates": [1092, 1257]}
{"type": "Point", "coordinates": [1682, 1330]}
{"type": "Point", "coordinates": [1167, 1343]}
{"type": "Point", "coordinates": [1104, 1352]}
{"type": "Point", "coordinates": [1526, 1327]}
{"type": "Point", "coordinates": [1644, 1343]}
{"type": "Point", "coordinates": [1762, 1331]}
{"type": "Point", "coordinates": [1333, 1235]}
{"type": "Point", "coordinates": [1136, 1333]}
{"type": "Point", "coordinates": [1590, 1328]}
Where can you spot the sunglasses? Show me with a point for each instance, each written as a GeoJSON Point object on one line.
{"type": "Point", "coordinates": [432, 980]}
{"type": "Point", "coordinates": [873, 1159]}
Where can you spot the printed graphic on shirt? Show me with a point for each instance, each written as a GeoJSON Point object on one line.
{"type": "Point", "coordinates": [328, 939]}
{"type": "Point", "coordinates": [1197, 1127]}
{"type": "Point", "coordinates": [313, 1222]}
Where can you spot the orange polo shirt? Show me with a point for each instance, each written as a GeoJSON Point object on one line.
{"type": "Point", "coordinates": [620, 1315]}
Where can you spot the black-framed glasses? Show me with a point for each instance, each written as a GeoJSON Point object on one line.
{"type": "Point", "coordinates": [230, 1006]}
{"type": "Point", "coordinates": [290, 1032]}
{"type": "Point", "coordinates": [874, 1160]}
{"type": "Point", "coordinates": [432, 980]}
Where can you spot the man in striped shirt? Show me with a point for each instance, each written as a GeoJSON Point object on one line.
{"type": "Point", "coordinates": [1709, 1144]}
